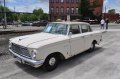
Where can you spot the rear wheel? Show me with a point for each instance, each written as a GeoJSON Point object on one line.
{"type": "Point", "coordinates": [51, 63]}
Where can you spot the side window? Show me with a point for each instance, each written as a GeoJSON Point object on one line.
{"type": "Point", "coordinates": [90, 30]}
{"type": "Point", "coordinates": [75, 29]}
{"type": "Point", "coordinates": [85, 28]}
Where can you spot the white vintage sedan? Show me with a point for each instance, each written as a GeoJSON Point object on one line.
{"type": "Point", "coordinates": [58, 41]}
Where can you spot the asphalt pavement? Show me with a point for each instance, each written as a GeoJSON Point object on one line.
{"type": "Point", "coordinates": [103, 63]}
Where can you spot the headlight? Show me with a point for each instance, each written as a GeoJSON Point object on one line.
{"type": "Point", "coordinates": [33, 53]}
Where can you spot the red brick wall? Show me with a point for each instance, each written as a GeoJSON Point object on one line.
{"type": "Point", "coordinates": [96, 11]}
{"type": "Point", "coordinates": [112, 17]}
{"type": "Point", "coordinates": [64, 5]}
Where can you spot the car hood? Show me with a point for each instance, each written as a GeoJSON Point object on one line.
{"type": "Point", "coordinates": [34, 38]}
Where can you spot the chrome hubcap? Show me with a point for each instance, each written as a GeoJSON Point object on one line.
{"type": "Point", "coordinates": [52, 61]}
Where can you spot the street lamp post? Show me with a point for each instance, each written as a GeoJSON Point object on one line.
{"type": "Point", "coordinates": [5, 22]}
{"type": "Point", "coordinates": [105, 13]}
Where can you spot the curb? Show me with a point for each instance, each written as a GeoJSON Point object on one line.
{"type": "Point", "coordinates": [18, 31]}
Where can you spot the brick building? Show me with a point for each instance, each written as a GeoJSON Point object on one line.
{"type": "Point", "coordinates": [59, 9]}
{"type": "Point", "coordinates": [112, 17]}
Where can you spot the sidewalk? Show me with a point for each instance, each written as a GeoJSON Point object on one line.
{"type": "Point", "coordinates": [20, 29]}
{"type": "Point", "coordinates": [110, 24]}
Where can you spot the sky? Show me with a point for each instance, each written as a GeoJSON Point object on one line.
{"type": "Point", "coordinates": [30, 5]}
{"type": "Point", "coordinates": [27, 5]}
{"type": "Point", "coordinates": [112, 4]}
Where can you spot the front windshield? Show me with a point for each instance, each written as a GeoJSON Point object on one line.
{"type": "Point", "coordinates": [56, 28]}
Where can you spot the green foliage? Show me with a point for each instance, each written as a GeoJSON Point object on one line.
{"type": "Point", "coordinates": [86, 9]}
{"type": "Point", "coordinates": [15, 17]}
{"type": "Point", "coordinates": [39, 13]}
{"type": "Point", "coordinates": [9, 15]}
{"type": "Point", "coordinates": [95, 4]}
{"type": "Point", "coordinates": [112, 11]}
{"type": "Point", "coordinates": [33, 17]}
{"type": "Point", "coordinates": [2, 9]}
{"type": "Point", "coordinates": [45, 16]}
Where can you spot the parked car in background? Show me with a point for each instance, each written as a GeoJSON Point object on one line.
{"type": "Point", "coordinates": [40, 23]}
{"type": "Point", "coordinates": [27, 23]}
{"type": "Point", "coordinates": [91, 21]}
{"type": "Point", "coordinates": [9, 23]}
{"type": "Point", "coordinates": [58, 41]}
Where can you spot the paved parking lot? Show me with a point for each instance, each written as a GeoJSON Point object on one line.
{"type": "Point", "coordinates": [103, 63]}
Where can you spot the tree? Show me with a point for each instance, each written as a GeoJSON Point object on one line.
{"type": "Point", "coordinates": [84, 9]}
{"type": "Point", "coordinates": [24, 17]}
{"type": "Point", "coordinates": [2, 12]}
{"type": "Point", "coordinates": [28, 17]}
{"type": "Point", "coordinates": [45, 16]}
{"type": "Point", "coordinates": [39, 13]}
{"type": "Point", "coordinates": [95, 4]}
{"type": "Point", "coordinates": [15, 17]}
{"type": "Point", "coordinates": [112, 11]}
{"type": "Point", "coordinates": [33, 17]}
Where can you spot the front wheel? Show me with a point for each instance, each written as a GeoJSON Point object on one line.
{"type": "Point", "coordinates": [51, 63]}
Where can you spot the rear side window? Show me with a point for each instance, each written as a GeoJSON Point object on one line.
{"type": "Point", "coordinates": [85, 28]}
{"type": "Point", "coordinates": [75, 29]}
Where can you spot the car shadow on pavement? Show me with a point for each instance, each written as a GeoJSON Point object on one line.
{"type": "Point", "coordinates": [63, 67]}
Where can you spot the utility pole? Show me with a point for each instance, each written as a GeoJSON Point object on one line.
{"type": "Point", "coordinates": [105, 13]}
{"type": "Point", "coordinates": [0, 2]}
{"type": "Point", "coordinates": [5, 21]}
{"type": "Point", "coordinates": [14, 9]}
{"type": "Point", "coordinates": [69, 9]}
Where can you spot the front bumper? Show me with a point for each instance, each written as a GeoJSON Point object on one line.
{"type": "Point", "coordinates": [27, 61]}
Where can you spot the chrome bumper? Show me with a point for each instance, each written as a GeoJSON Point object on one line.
{"type": "Point", "coordinates": [27, 61]}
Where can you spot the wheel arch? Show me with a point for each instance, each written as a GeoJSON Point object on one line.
{"type": "Point", "coordinates": [58, 54]}
{"type": "Point", "coordinates": [94, 42]}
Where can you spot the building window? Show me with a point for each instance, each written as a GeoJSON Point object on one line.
{"type": "Point", "coordinates": [76, 10]}
{"type": "Point", "coordinates": [72, 1]}
{"type": "Point", "coordinates": [67, 10]}
{"type": "Point", "coordinates": [51, 0]}
{"type": "Point", "coordinates": [75, 29]}
{"type": "Point", "coordinates": [57, 10]}
{"type": "Point", "coordinates": [62, 0]}
{"type": "Point", "coordinates": [67, 1]}
{"type": "Point", "coordinates": [52, 9]}
{"type": "Point", "coordinates": [57, 1]}
{"type": "Point", "coordinates": [62, 9]}
{"type": "Point", "coordinates": [72, 10]}
{"type": "Point", "coordinates": [77, 1]}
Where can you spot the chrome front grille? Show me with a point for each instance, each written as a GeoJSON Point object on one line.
{"type": "Point", "coordinates": [22, 51]}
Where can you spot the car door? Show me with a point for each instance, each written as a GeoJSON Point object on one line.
{"type": "Point", "coordinates": [76, 40]}
{"type": "Point", "coordinates": [88, 37]}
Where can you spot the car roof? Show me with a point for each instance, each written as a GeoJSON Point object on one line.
{"type": "Point", "coordinates": [69, 22]}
